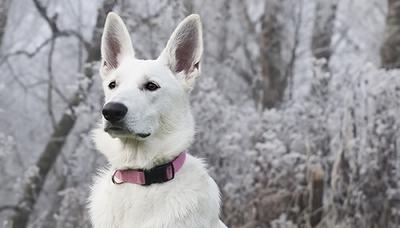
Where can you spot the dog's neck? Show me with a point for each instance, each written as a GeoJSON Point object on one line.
{"type": "Point", "coordinates": [135, 154]}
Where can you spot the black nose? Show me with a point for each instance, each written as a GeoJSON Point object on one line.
{"type": "Point", "coordinates": [114, 112]}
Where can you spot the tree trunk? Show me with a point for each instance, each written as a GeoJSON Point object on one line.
{"type": "Point", "coordinates": [32, 188]}
{"type": "Point", "coordinates": [324, 24]}
{"type": "Point", "coordinates": [4, 8]}
{"type": "Point", "coordinates": [316, 195]}
{"type": "Point", "coordinates": [273, 81]}
{"type": "Point", "coordinates": [390, 51]}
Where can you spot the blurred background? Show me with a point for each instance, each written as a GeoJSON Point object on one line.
{"type": "Point", "coordinates": [297, 107]}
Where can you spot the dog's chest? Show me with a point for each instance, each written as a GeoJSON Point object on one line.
{"type": "Point", "coordinates": [154, 205]}
{"type": "Point", "coordinates": [158, 205]}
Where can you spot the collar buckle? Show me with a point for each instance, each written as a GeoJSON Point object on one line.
{"type": "Point", "coordinates": [159, 174]}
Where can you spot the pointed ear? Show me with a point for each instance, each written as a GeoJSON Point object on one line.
{"type": "Point", "coordinates": [115, 42]}
{"type": "Point", "coordinates": [185, 47]}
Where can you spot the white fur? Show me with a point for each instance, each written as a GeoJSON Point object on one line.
{"type": "Point", "coordinates": [192, 198]}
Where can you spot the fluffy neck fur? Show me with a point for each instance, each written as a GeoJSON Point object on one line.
{"type": "Point", "coordinates": [160, 148]}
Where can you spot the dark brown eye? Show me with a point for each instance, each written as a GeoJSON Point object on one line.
{"type": "Point", "coordinates": [151, 86]}
{"type": "Point", "coordinates": [112, 85]}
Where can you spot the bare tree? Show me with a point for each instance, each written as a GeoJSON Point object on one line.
{"type": "Point", "coordinates": [325, 15]}
{"type": "Point", "coordinates": [273, 81]}
{"type": "Point", "coordinates": [249, 73]}
{"type": "Point", "coordinates": [31, 189]}
{"type": "Point", "coordinates": [390, 51]}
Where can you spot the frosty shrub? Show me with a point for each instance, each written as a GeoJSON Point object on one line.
{"type": "Point", "coordinates": [347, 124]}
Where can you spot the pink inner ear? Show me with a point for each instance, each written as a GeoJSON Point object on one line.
{"type": "Point", "coordinates": [113, 50]}
{"type": "Point", "coordinates": [184, 53]}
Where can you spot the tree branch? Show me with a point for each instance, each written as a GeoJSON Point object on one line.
{"type": "Point", "coordinates": [9, 207]}
{"type": "Point", "coordinates": [50, 83]}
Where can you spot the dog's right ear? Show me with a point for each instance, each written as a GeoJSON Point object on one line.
{"type": "Point", "coordinates": [115, 43]}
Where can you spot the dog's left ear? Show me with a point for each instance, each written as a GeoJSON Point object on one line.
{"type": "Point", "coordinates": [184, 49]}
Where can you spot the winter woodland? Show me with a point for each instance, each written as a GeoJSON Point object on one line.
{"type": "Point", "coordinates": [297, 107]}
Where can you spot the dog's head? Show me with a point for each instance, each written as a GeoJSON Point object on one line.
{"type": "Point", "coordinates": [146, 98]}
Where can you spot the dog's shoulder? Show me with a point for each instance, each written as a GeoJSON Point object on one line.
{"type": "Point", "coordinates": [198, 187]}
{"type": "Point", "coordinates": [195, 176]}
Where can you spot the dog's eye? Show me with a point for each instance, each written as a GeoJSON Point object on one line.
{"type": "Point", "coordinates": [112, 85]}
{"type": "Point", "coordinates": [151, 86]}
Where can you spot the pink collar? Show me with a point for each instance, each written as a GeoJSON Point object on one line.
{"type": "Point", "coordinates": [157, 174]}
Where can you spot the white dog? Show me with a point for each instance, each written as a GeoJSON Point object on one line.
{"type": "Point", "coordinates": [151, 181]}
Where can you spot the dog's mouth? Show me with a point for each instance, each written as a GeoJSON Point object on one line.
{"type": "Point", "coordinates": [123, 132]}
{"type": "Point", "coordinates": [115, 129]}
